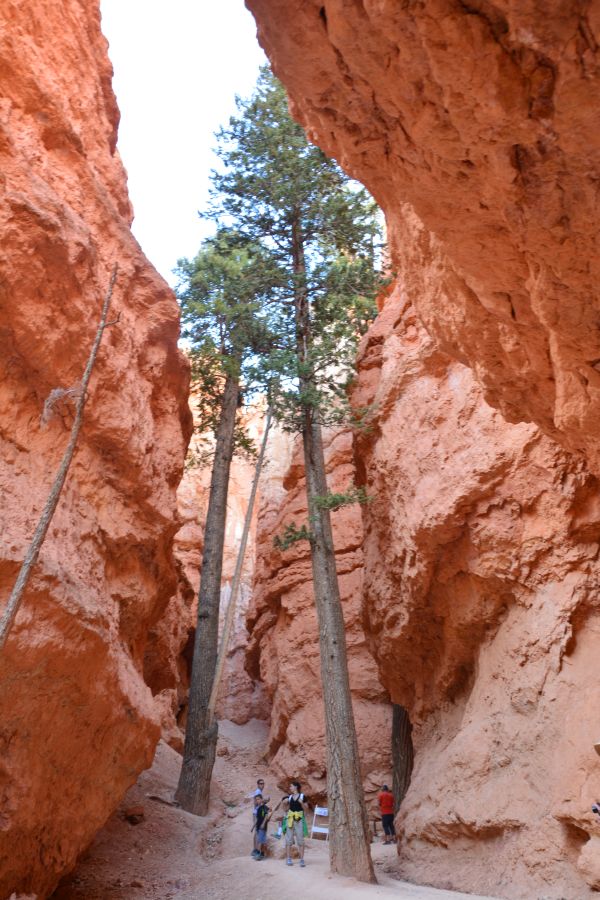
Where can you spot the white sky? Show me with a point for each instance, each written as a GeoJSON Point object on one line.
{"type": "Point", "coordinates": [178, 66]}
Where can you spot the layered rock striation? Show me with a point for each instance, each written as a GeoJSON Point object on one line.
{"type": "Point", "coordinates": [78, 722]}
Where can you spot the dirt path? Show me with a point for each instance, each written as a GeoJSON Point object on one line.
{"type": "Point", "coordinates": [171, 854]}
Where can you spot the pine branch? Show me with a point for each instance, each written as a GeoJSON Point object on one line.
{"type": "Point", "coordinates": [333, 501]}
{"type": "Point", "coordinates": [291, 535]}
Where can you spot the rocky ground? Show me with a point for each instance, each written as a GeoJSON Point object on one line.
{"type": "Point", "coordinates": [171, 854]}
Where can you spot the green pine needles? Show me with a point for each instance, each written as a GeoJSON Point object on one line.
{"type": "Point", "coordinates": [292, 535]}
{"type": "Point", "coordinates": [319, 236]}
{"type": "Point", "coordinates": [282, 293]}
{"type": "Point", "coordinates": [330, 501]}
{"type": "Point", "coordinates": [334, 502]}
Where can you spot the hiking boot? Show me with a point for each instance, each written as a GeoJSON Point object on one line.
{"type": "Point", "coordinates": [259, 856]}
{"type": "Point", "coordinates": [255, 853]}
{"type": "Point", "coordinates": [289, 862]}
{"type": "Point", "coordinates": [302, 863]}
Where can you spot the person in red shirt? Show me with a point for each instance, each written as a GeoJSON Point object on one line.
{"type": "Point", "coordinates": [386, 807]}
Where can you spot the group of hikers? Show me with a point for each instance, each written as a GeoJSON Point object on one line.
{"type": "Point", "coordinates": [292, 822]}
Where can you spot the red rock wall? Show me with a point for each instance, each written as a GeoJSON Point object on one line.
{"type": "Point", "coordinates": [283, 648]}
{"type": "Point", "coordinates": [476, 127]}
{"type": "Point", "coordinates": [78, 722]}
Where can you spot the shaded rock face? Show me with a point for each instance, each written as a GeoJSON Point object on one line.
{"type": "Point", "coordinates": [283, 648]}
{"type": "Point", "coordinates": [78, 722]}
{"type": "Point", "coordinates": [480, 119]}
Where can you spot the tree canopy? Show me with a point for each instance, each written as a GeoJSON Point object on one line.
{"type": "Point", "coordinates": [319, 235]}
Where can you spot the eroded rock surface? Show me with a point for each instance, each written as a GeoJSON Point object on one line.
{"type": "Point", "coordinates": [169, 652]}
{"type": "Point", "coordinates": [481, 602]}
{"type": "Point", "coordinates": [78, 722]}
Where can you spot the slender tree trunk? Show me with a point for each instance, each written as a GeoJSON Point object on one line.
{"type": "Point", "coordinates": [237, 575]}
{"type": "Point", "coordinates": [349, 838]}
{"type": "Point", "coordinates": [193, 790]}
{"type": "Point", "coordinates": [402, 754]}
{"type": "Point", "coordinates": [16, 596]}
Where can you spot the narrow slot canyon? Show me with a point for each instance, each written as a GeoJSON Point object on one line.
{"type": "Point", "coordinates": [469, 579]}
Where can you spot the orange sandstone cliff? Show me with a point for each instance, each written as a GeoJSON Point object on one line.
{"type": "Point", "coordinates": [470, 583]}
{"type": "Point", "coordinates": [78, 722]}
{"type": "Point", "coordinates": [476, 126]}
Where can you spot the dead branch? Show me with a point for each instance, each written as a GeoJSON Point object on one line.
{"type": "Point", "coordinates": [14, 601]}
{"type": "Point", "coordinates": [53, 399]}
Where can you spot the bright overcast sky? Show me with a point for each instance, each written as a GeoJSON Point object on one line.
{"type": "Point", "coordinates": [178, 67]}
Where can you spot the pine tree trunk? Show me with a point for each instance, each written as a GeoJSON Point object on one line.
{"type": "Point", "coordinates": [237, 575]}
{"type": "Point", "coordinates": [201, 734]}
{"type": "Point", "coordinates": [402, 754]}
{"type": "Point", "coordinates": [349, 838]}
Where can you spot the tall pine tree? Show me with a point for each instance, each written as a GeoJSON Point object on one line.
{"type": "Point", "coordinates": [320, 232]}
{"type": "Point", "coordinates": [224, 294]}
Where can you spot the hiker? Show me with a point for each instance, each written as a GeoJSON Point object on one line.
{"type": "Point", "coordinates": [386, 808]}
{"type": "Point", "coordinates": [262, 820]}
{"type": "Point", "coordinates": [257, 798]}
{"type": "Point", "coordinates": [295, 822]}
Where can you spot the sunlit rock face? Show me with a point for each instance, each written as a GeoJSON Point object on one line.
{"type": "Point", "coordinates": [475, 125]}
{"type": "Point", "coordinates": [476, 128]}
{"type": "Point", "coordinates": [284, 642]}
{"type": "Point", "coordinates": [78, 722]}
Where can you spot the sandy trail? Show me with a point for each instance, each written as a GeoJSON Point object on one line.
{"type": "Point", "coordinates": [171, 854]}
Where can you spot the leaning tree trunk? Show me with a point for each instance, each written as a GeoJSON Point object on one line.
{"type": "Point", "coordinates": [349, 839]}
{"type": "Point", "coordinates": [402, 753]}
{"type": "Point", "coordinates": [18, 591]}
{"type": "Point", "coordinates": [201, 734]}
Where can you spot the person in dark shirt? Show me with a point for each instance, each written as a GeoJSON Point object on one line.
{"type": "Point", "coordinates": [262, 819]}
{"type": "Point", "coordinates": [257, 799]}
{"type": "Point", "coordinates": [386, 807]}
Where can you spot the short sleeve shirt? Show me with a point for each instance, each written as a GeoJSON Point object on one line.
{"type": "Point", "coordinates": [386, 803]}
